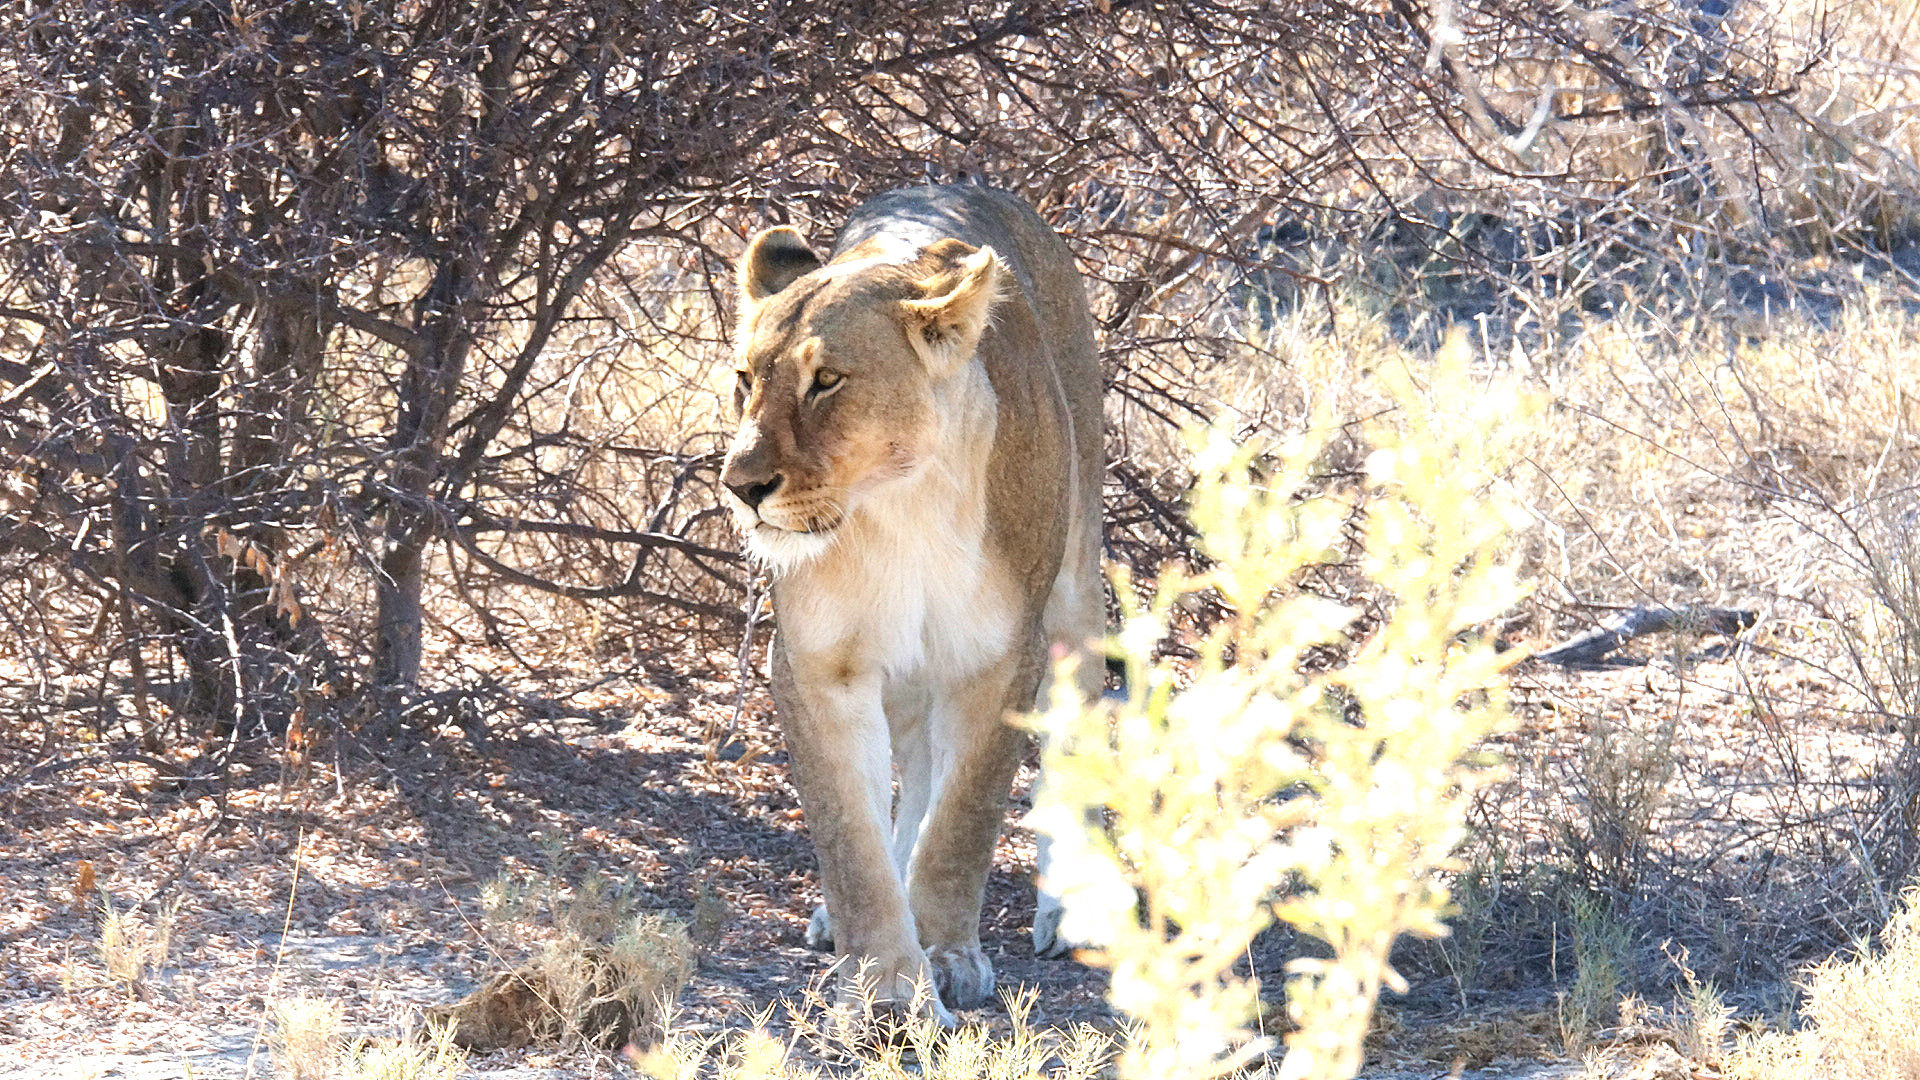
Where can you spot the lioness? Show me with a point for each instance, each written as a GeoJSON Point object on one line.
{"type": "Point", "coordinates": [918, 465]}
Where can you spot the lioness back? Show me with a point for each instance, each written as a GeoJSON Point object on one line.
{"type": "Point", "coordinates": [918, 465]}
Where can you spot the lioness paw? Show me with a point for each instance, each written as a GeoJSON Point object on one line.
{"type": "Point", "coordinates": [962, 975]}
{"type": "Point", "coordinates": [1048, 942]}
{"type": "Point", "coordinates": [905, 987]}
{"type": "Point", "coordinates": [1060, 930]}
{"type": "Point", "coordinates": [820, 930]}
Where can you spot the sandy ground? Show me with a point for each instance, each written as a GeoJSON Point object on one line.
{"type": "Point", "coordinates": [294, 878]}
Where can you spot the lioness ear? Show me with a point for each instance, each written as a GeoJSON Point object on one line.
{"type": "Point", "coordinates": [945, 324]}
{"type": "Point", "coordinates": [774, 260]}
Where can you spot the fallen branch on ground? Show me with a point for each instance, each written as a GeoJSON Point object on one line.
{"type": "Point", "coordinates": [1596, 643]}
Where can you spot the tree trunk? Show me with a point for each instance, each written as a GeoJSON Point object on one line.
{"type": "Point", "coordinates": [427, 391]}
{"type": "Point", "coordinates": [398, 643]}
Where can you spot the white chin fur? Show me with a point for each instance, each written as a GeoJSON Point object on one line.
{"type": "Point", "coordinates": [782, 551]}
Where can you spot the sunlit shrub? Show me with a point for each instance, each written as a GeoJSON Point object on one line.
{"type": "Point", "coordinates": [1862, 1015]}
{"type": "Point", "coordinates": [1249, 785]}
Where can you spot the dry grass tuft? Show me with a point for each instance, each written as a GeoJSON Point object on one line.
{"type": "Point", "coordinates": [133, 948]}
{"type": "Point", "coordinates": [879, 1045]}
{"type": "Point", "coordinates": [432, 1057]}
{"type": "Point", "coordinates": [1403, 1039]}
{"type": "Point", "coordinates": [308, 1042]}
{"type": "Point", "coordinates": [306, 1039]}
{"type": "Point", "coordinates": [580, 990]}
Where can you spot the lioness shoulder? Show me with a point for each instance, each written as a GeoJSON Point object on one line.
{"type": "Point", "coordinates": [918, 465]}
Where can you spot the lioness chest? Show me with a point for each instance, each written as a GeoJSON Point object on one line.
{"type": "Point", "coordinates": [913, 584]}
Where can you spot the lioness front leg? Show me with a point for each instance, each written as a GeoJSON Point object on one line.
{"type": "Point", "coordinates": [837, 734]}
{"type": "Point", "coordinates": [975, 754]}
{"type": "Point", "coordinates": [906, 704]}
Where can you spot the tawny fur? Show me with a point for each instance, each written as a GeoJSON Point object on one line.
{"type": "Point", "coordinates": [921, 436]}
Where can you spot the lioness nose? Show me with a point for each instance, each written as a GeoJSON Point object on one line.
{"type": "Point", "coordinates": [754, 494]}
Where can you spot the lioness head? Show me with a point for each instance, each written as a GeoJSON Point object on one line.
{"type": "Point", "coordinates": [840, 371]}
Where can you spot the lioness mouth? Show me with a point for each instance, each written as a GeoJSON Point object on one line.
{"type": "Point", "coordinates": [817, 526]}
{"type": "Point", "coordinates": [813, 525]}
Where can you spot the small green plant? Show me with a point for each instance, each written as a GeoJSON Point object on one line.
{"type": "Point", "coordinates": [1600, 962]}
{"type": "Point", "coordinates": [1253, 784]}
{"type": "Point", "coordinates": [504, 900]}
{"type": "Point", "coordinates": [1703, 1018]}
{"type": "Point", "coordinates": [599, 908]}
{"type": "Point", "coordinates": [1475, 892]}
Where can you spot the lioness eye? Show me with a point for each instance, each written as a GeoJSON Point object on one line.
{"type": "Point", "coordinates": [823, 381]}
{"type": "Point", "coordinates": [742, 387]}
